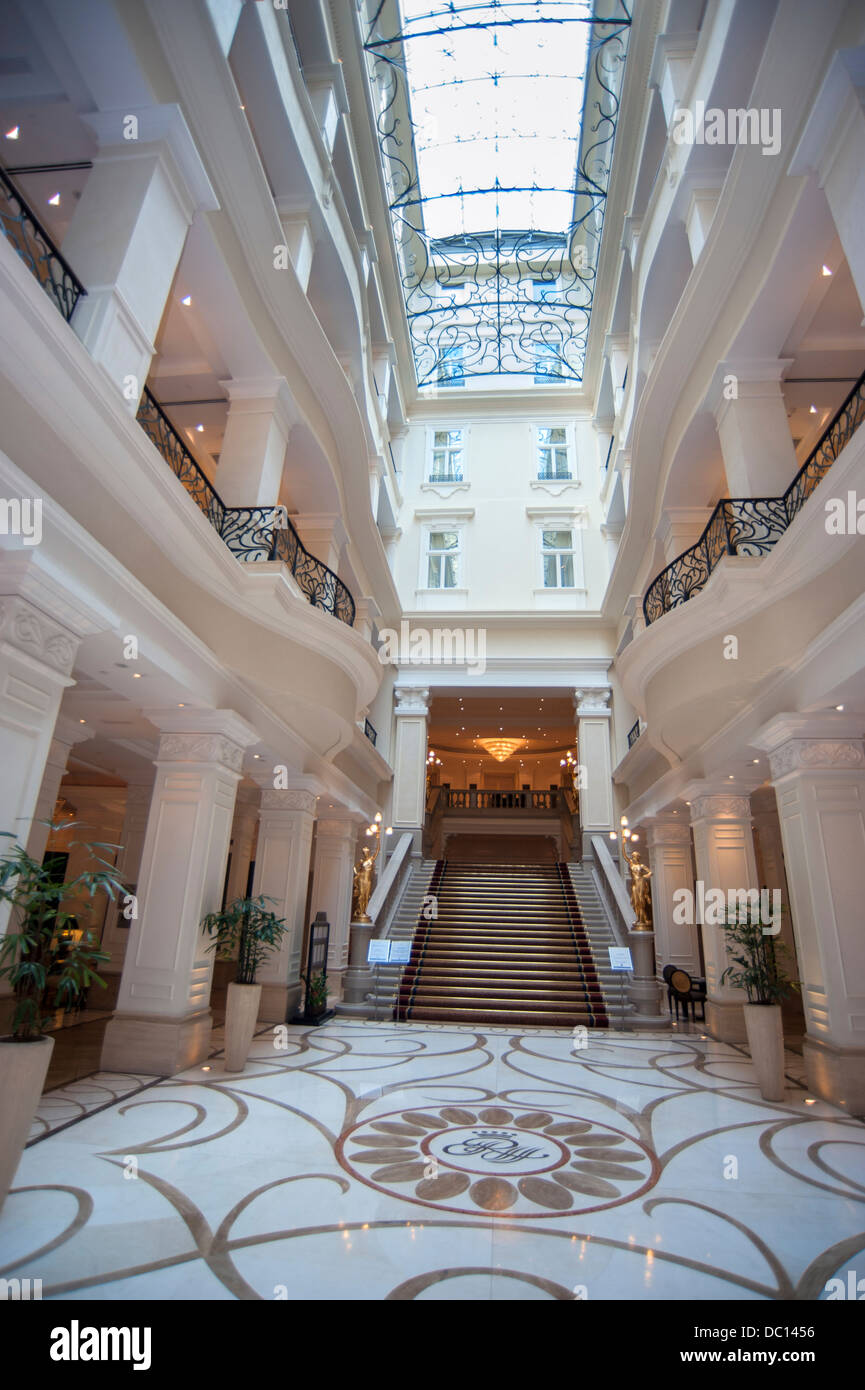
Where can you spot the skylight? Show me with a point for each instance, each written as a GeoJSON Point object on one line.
{"type": "Point", "coordinates": [496, 124]}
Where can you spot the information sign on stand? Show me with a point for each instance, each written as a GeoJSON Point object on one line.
{"type": "Point", "coordinates": [620, 961]}
{"type": "Point", "coordinates": [378, 953]}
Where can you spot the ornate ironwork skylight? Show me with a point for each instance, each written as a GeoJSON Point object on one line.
{"type": "Point", "coordinates": [496, 123]}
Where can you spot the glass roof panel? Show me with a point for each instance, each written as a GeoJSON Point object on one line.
{"type": "Point", "coordinates": [496, 125]}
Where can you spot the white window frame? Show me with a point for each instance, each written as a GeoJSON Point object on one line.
{"type": "Point", "coordinates": [429, 530]}
{"type": "Point", "coordinates": [432, 431]}
{"type": "Point", "coordinates": [558, 552]}
{"type": "Point", "coordinates": [568, 446]}
{"type": "Point", "coordinates": [573, 519]}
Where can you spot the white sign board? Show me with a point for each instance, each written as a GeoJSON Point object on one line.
{"type": "Point", "coordinates": [400, 952]}
{"type": "Point", "coordinates": [378, 953]}
{"type": "Point", "coordinates": [620, 958]}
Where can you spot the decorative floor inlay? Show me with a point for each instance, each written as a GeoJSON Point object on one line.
{"type": "Point", "coordinates": [405, 1161]}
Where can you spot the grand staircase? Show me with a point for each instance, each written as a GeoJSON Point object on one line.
{"type": "Point", "coordinates": [509, 945]}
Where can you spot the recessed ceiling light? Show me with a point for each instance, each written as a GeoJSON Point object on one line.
{"type": "Point", "coordinates": [824, 270]}
{"type": "Point", "coordinates": [755, 760]}
{"type": "Point", "coordinates": [205, 1068]}
{"type": "Point", "coordinates": [839, 708]}
{"type": "Point", "coordinates": [82, 721]}
{"type": "Point", "coordinates": [200, 429]}
{"type": "Point", "coordinates": [812, 410]}
{"type": "Point", "coordinates": [181, 707]}
{"type": "Point", "coordinates": [136, 675]}
{"type": "Point", "coordinates": [54, 201]}
{"type": "Point", "coordinates": [13, 133]}
{"type": "Point", "coordinates": [258, 755]}
{"type": "Point", "coordinates": [731, 778]}
{"type": "Point", "coordinates": [810, 1101]}
{"type": "Point", "coordinates": [186, 300]}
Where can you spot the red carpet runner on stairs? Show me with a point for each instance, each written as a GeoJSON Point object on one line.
{"type": "Point", "coordinates": [507, 946]}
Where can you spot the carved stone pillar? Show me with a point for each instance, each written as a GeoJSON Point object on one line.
{"type": "Point", "coordinates": [668, 840]}
{"type": "Point", "coordinates": [409, 763]}
{"type": "Point", "coordinates": [593, 750]}
{"type": "Point", "coordinates": [285, 826]}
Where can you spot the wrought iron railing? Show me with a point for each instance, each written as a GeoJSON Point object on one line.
{"type": "Point", "coordinates": [634, 733]}
{"type": "Point", "coordinates": [457, 800]}
{"type": "Point", "coordinates": [251, 533]}
{"type": "Point", "coordinates": [753, 525]}
{"type": "Point", "coordinates": [370, 732]}
{"type": "Point", "coordinates": [22, 227]}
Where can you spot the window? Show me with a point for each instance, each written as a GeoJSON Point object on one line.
{"type": "Point", "coordinates": [553, 459]}
{"type": "Point", "coordinates": [443, 554]}
{"type": "Point", "coordinates": [447, 456]}
{"type": "Point", "coordinates": [451, 367]}
{"type": "Point", "coordinates": [545, 291]}
{"type": "Point", "coordinates": [558, 559]}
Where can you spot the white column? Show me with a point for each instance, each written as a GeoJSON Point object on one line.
{"type": "Point", "coordinates": [252, 456]}
{"type": "Point", "coordinates": [162, 1022]}
{"type": "Point", "coordinates": [818, 769]}
{"type": "Point", "coordinates": [671, 67]}
{"type": "Point", "coordinates": [699, 217]}
{"type": "Point", "coordinates": [724, 852]}
{"type": "Point", "coordinates": [67, 732]}
{"type": "Point", "coordinates": [668, 840]}
{"type": "Point", "coordinates": [285, 826]}
{"type": "Point", "coordinates": [117, 927]}
{"type": "Point", "coordinates": [759, 454]}
{"type": "Point", "coordinates": [327, 92]}
{"type": "Point", "coordinates": [769, 851]}
{"type": "Point", "coordinates": [832, 148]}
{"type": "Point", "coordinates": [335, 843]}
{"type": "Point", "coordinates": [679, 528]}
{"type": "Point", "coordinates": [593, 753]}
{"type": "Point", "coordinates": [299, 238]}
{"type": "Point", "coordinates": [409, 761]}
{"type": "Point", "coordinates": [37, 651]}
{"type": "Point", "coordinates": [127, 234]}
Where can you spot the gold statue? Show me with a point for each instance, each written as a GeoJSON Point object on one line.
{"type": "Point", "coordinates": [641, 895]}
{"type": "Point", "coordinates": [362, 887]}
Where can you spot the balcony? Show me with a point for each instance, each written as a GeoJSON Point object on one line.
{"type": "Point", "coordinates": [752, 525]}
{"type": "Point", "coordinates": [548, 802]}
{"type": "Point", "coordinates": [22, 228]}
{"type": "Point", "coordinates": [251, 533]}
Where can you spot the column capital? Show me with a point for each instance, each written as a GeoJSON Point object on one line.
{"type": "Point", "coordinates": [711, 803]}
{"type": "Point", "coordinates": [755, 377]}
{"type": "Point", "coordinates": [173, 720]}
{"type": "Point", "coordinates": [666, 829]}
{"type": "Point", "coordinates": [831, 741]}
{"type": "Point", "coordinates": [337, 828]}
{"type": "Point", "coordinates": [593, 702]}
{"type": "Point", "coordinates": [411, 699]}
{"type": "Point", "coordinates": [31, 632]}
{"type": "Point", "coordinates": [287, 799]}
{"type": "Point", "coordinates": [257, 395]}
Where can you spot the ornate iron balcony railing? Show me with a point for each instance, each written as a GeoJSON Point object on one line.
{"type": "Point", "coordinates": [251, 533]}
{"type": "Point", "coordinates": [22, 227]}
{"type": "Point", "coordinates": [753, 525]}
{"type": "Point", "coordinates": [634, 734]}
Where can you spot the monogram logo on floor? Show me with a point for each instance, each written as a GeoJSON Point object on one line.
{"type": "Point", "coordinates": [456, 1159]}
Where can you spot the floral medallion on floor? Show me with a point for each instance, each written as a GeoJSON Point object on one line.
{"type": "Point", "coordinates": [497, 1161]}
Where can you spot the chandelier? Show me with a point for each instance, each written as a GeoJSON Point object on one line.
{"type": "Point", "coordinates": [501, 748]}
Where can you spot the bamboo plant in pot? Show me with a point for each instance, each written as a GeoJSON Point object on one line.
{"type": "Point", "coordinates": [43, 947]}
{"type": "Point", "coordinates": [757, 968]}
{"type": "Point", "coordinates": [249, 926]}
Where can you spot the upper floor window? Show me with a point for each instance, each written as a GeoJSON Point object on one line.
{"type": "Point", "coordinates": [547, 364]}
{"type": "Point", "coordinates": [443, 557]}
{"type": "Point", "coordinates": [446, 465]}
{"type": "Point", "coordinates": [450, 371]}
{"type": "Point", "coordinates": [553, 453]}
{"type": "Point", "coordinates": [558, 559]}
{"type": "Point", "coordinates": [545, 290]}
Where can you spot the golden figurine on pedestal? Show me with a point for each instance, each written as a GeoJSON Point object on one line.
{"type": "Point", "coordinates": [641, 896]}
{"type": "Point", "coordinates": [363, 873]}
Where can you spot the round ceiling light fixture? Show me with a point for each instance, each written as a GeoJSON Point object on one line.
{"type": "Point", "coordinates": [501, 748]}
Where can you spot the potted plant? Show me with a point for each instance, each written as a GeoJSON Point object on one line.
{"type": "Point", "coordinates": [43, 946]}
{"type": "Point", "coordinates": [756, 968]}
{"type": "Point", "coordinates": [248, 925]}
{"type": "Point", "coordinates": [316, 995]}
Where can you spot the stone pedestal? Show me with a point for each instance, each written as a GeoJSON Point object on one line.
{"type": "Point", "coordinates": [724, 851]}
{"type": "Point", "coordinates": [162, 1023]}
{"type": "Point", "coordinates": [359, 979]}
{"type": "Point", "coordinates": [644, 990]}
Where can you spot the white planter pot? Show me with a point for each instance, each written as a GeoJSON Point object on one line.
{"type": "Point", "coordinates": [240, 1018]}
{"type": "Point", "coordinates": [766, 1045]}
{"type": "Point", "coordinates": [23, 1068]}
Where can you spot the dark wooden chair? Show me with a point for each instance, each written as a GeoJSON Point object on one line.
{"type": "Point", "coordinates": [687, 992]}
{"type": "Point", "coordinates": [665, 975]}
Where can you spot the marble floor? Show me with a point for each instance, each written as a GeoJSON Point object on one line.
{"type": "Point", "coordinates": [383, 1161]}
